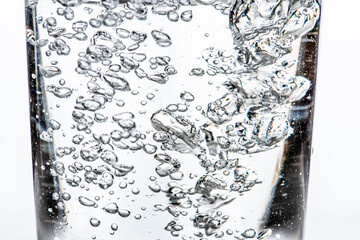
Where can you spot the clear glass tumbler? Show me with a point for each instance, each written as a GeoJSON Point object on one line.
{"type": "Point", "coordinates": [171, 119]}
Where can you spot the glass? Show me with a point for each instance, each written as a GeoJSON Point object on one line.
{"type": "Point", "coordinates": [173, 119]}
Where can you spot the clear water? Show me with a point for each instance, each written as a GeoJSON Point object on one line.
{"type": "Point", "coordinates": [171, 119]}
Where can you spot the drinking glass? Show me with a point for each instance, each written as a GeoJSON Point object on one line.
{"type": "Point", "coordinates": [171, 119]}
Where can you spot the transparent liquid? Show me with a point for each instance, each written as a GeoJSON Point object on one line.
{"type": "Point", "coordinates": [172, 119]}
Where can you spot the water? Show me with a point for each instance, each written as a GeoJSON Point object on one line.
{"type": "Point", "coordinates": [171, 119]}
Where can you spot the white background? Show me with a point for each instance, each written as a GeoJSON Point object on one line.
{"type": "Point", "coordinates": [334, 197]}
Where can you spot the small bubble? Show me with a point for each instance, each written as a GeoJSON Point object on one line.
{"type": "Point", "coordinates": [45, 136]}
{"type": "Point", "coordinates": [229, 232]}
{"type": "Point", "coordinates": [62, 82]}
{"type": "Point", "coordinates": [182, 107]}
{"type": "Point", "coordinates": [172, 107]}
{"type": "Point", "coordinates": [60, 205]}
{"type": "Point", "coordinates": [155, 187]}
{"type": "Point", "coordinates": [94, 222]}
{"type": "Point", "coordinates": [120, 103]}
{"type": "Point", "coordinates": [135, 191]}
{"type": "Point", "coordinates": [137, 216]}
{"type": "Point", "coordinates": [49, 71]}
{"type": "Point", "coordinates": [86, 201]}
{"type": "Point", "coordinates": [111, 208]}
{"type": "Point", "coordinates": [161, 38]}
{"type": "Point", "coordinates": [122, 33]}
{"type": "Point", "coordinates": [150, 96]}
{"type": "Point", "coordinates": [177, 176]}
{"type": "Point", "coordinates": [95, 23]}
{"type": "Point", "coordinates": [152, 178]}
{"type": "Point", "coordinates": [134, 92]}
{"type": "Point", "coordinates": [150, 149]}
{"type": "Point", "coordinates": [143, 102]}
{"type": "Point", "coordinates": [66, 196]}
{"type": "Point", "coordinates": [175, 233]}
{"type": "Point", "coordinates": [77, 139]}
{"type": "Point", "coordinates": [115, 67]}
{"type": "Point", "coordinates": [197, 72]}
{"type": "Point", "coordinates": [249, 233]}
{"type": "Point", "coordinates": [56, 196]}
{"type": "Point", "coordinates": [163, 61]}
{"type": "Point", "coordinates": [114, 227]}
{"type": "Point", "coordinates": [40, 19]}
{"type": "Point", "coordinates": [106, 63]}
{"type": "Point", "coordinates": [170, 70]}
{"type": "Point", "coordinates": [79, 26]}
{"type": "Point", "coordinates": [173, 16]}
{"type": "Point", "coordinates": [264, 234]}
{"type": "Point", "coordinates": [129, 15]}
{"type": "Point", "coordinates": [187, 96]}
{"type": "Point", "coordinates": [124, 212]}
{"type": "Point", "coordinates": [186, 15]}
{"type": "Point", "coordinates": [219, 234]}
{"type": "Point", "coordinates": [192, 175]}
{"type": "Point", "coordinates": [152, 60]}
{"type": "Point", "coordinates": [100, 118]}
{"type": "Point", "coordinates": [123, 185]}
{"type": "Point", "coordinates": [88, 10]}
{"type": "Point", "coordinates": [133, 47]}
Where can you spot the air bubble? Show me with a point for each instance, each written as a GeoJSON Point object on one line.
{"type": "Point", "coordinates": [150, 149]}
{"type": "Point", "coordinates": [122, 185]}
{"type": "Point", "coordinates": [114, 227]}
{"type": "Point", "coordinates": [162, 39]}
{"type": "Point", "coordinates": [111, 208]}
{"type": "Point", "coordinates": [86, 201]}
{"type": "Point", "coordinates": [49, 71]}
{"type": "Point", "coordinates": [172, 108]}
{"type": "Point", "coordinates": [95, 23]}
{"type": "Point", "coordinates": [173, 16]}
{"type": "Point", "coordinates": [94, 222]}
{"type": "Point", "coordinates": [124, 212]}
{"type": "Point", "coordinates": [150, 96]}
{"type": "Point", "coordinates": [249, 233]}
{"type": "Point", "coordinates": [135, 191]}
{"type": "Point", "coordinates": [186, 16]}
{"type": "Point", "coordinates": [155, 187]}
{"type": "Point", "coordinates": [187, 96]}
{"type": "Point", "coordinates": [197, 72]}
{"type": "Point", "coordinates": [264, 234]}
{"type": "Point", "coordinates": [120, 103]}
